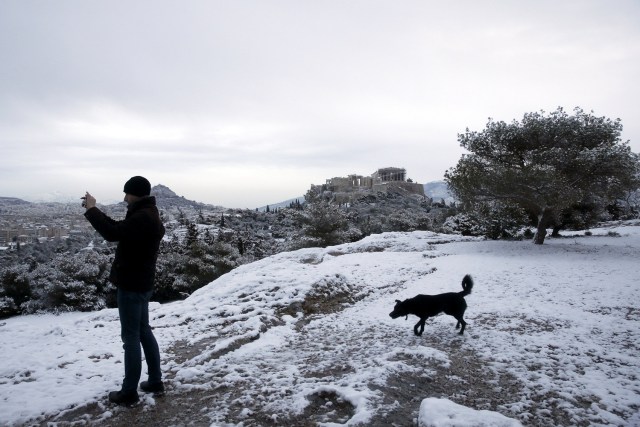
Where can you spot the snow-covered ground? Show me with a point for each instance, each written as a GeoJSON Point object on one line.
{"type": "Point", "coordinates": [554, 330]}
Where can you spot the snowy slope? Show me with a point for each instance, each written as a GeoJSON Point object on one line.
{"type": "Point", "coordinates": [558, 322]}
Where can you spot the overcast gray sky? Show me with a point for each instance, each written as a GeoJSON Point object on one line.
{"type": "Point", "coordinates": [245, 103]}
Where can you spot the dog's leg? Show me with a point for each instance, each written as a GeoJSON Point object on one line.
{"type": "Point", "coordinates": [461, 322]}
{"type": "Point", "coordinates": [421, 325]}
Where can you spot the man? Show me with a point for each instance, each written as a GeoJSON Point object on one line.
{"type": "Point", "coordinates": [133, 272]}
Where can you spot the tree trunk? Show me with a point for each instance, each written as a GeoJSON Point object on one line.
{"type": "Point", "coordinates": [544, 220]}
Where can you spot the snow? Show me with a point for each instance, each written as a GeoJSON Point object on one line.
{"type": "Point", "coordinates": [561, 318]}
{"type": "Point", "coordinates": [445, 413]}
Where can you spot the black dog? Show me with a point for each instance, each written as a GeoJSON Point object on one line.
{"type": "Point", "coordinates": [425, 306]}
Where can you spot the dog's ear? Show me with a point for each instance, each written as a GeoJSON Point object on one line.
{"type": "Point", "coordinates": [406, 317]}
{"type": "Point", "coordinates": [398, 301]}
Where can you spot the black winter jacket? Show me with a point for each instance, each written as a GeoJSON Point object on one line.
{"type": "Point", "coordinates": [138, 237]}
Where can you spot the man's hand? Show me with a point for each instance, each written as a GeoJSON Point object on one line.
{"type": "Point", "coordinates": [89, 201]}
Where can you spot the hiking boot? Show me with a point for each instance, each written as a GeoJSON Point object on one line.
{"type": "Point", "coordinates": [123, 398]}
{"type": "Point", "coordinates": [156, 388]}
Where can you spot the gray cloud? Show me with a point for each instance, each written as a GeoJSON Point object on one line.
{"type": "Point", "coordinates": [286, 93]}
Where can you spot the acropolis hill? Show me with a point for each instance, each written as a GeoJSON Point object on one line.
{"type": "Point", "coordinates": [383, 180]}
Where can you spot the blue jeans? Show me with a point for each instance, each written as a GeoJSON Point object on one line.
{"type": "Point", "coordinates": [135, 330]}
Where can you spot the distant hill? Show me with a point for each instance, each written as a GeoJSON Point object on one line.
{"type": "Point", "coordinates": [12, 201]}
{"type": "Point", "coordinates": [435, 190]}
{"type": "Point", "coordinates": [163, 191]}
{"type": "Point", "coordinates": [167, 198]}
{"type": "Point", "coordinates": [280, 205]}
{"type": "Point", "coordinates": [438, 190]}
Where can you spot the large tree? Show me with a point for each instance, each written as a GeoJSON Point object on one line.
{"type": "Point", "coordinates": [544, 164]}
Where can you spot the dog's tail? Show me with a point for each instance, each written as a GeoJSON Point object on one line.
{"type": "Point", "coordinates": [467, 285]}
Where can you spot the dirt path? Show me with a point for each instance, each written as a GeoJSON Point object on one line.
{"type": "Point", "coordinates": [324, 351]}
{"type": "Point", "coordinates": [467, 381]}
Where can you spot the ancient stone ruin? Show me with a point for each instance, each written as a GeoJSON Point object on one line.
{"type": "Point", "coordinates": [345, 189]}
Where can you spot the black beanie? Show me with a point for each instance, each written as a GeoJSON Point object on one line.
{"type": "Point", "coordinates": [138, 186]}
